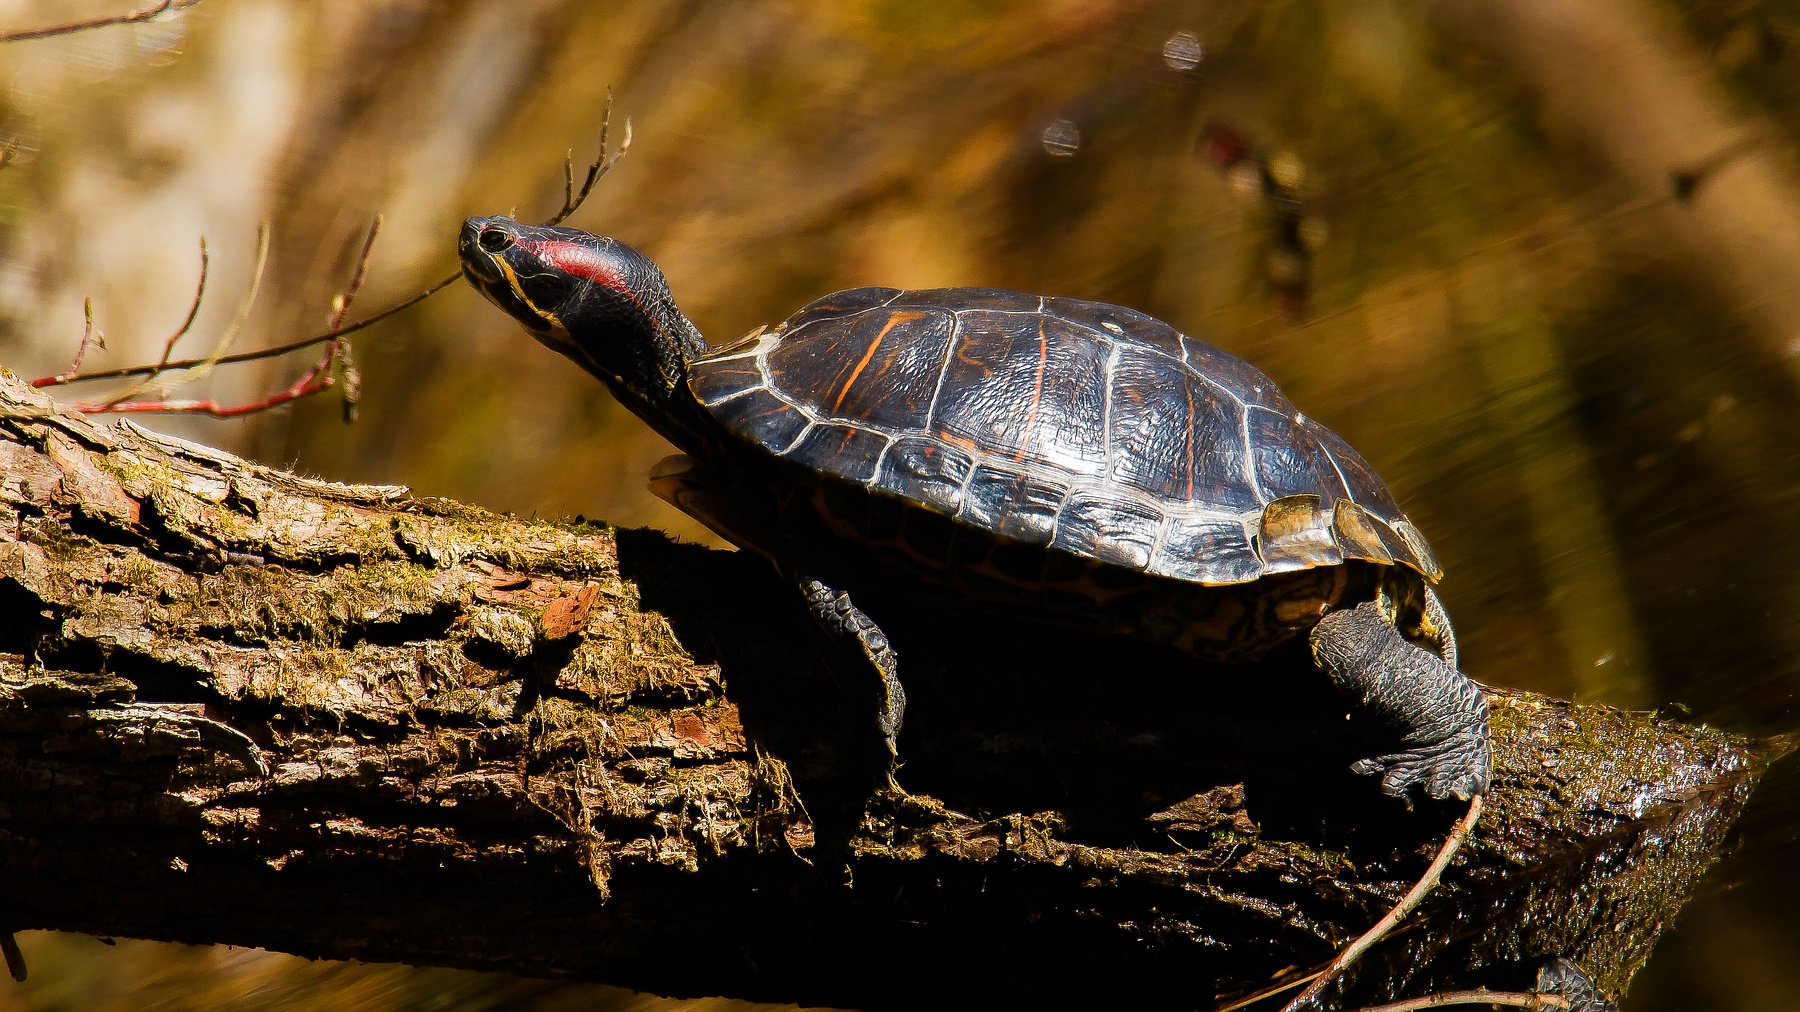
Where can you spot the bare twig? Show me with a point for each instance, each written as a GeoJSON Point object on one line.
{"type": "Point", "coordinates": [205, 365]}
{"type": "Point", "coordinates": [193, 310]}
{"type": "Point", "coordinates": [572, 201]}
{"type": "Point", "coordinates": [601, 165]}
{"type": "Point", "coordinates": [315, 379]}
{"type": "Point", "coordinates": [1273, 989]}
{"type": "Point", "coordinates": [89, 337]}
{"type": "Point", "coordinates": [10, 151]}
{"type": "Point", "coordinates": [186, 325]}
{"type": "Point", "coordinates": [1479, 996]}
{"type": "Point", "coordinates": [1411, 900]}
{"type": "Point", "coordinates": [261, 353]}
{"type": "Point", "coordinates": [149, 13]}
{"type": "Point", "coordinates": [341, 304]}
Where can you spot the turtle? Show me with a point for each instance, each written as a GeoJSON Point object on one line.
{"type": "Point", "coordinates": [1048, 457]}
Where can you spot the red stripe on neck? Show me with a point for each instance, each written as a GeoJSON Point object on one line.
{"type": "Point", "coordinates": [579, 261]}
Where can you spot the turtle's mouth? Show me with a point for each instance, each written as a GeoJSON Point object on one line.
{"type": "Point", "coordinates": [501, 294]}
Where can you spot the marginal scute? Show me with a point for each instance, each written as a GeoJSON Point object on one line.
{"type": "Point", "coordinates": [743, 343]}
{"type": "Point", "coordinates": [925, 471]}
{"type": "Point", "coordinates": [1013, 504]}
{"type": "Point", "coordinates": [763, 418]}
{"type": "Point", "coordinates": [1108, 529]}
{"type": "Point", "coordinates": [1295, 535]}
{"type": "Point", "coordinates": [1356, 533]}
{"type": "Point", "coordinates": [1421, 550]}
{"type": "Point", "coordinates": [681, 482]}
{"type": "Point", "coordinates": [1211, 550]}
{"type": "Point", "coordinates": [715, 379]}
{"type": "Point", "coordinates": [1395, 544]}
{"type": "Point", "coordinates": [843, 450]}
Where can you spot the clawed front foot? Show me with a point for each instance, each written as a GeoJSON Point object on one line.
{"type": "Point", "coordinates": [1561, 977]}
{"type": "Point", "coordinates": [1441, 715]}
{"type": "Point", "coordinates": [1456, 767]}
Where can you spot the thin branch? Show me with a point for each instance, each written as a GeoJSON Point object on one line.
{"type": "Point", "coordinates": [1271, 990]}
{"type": "Point", "coordinates": [341, 304]}
{"type": "Point", "coordinates": [310, 383]}
{"type": "Point", "coordinates": [1411, 900]}
{"type": "Point", "coordinates": [262, 353]}
{"type": "Point", "coordinates": [315, 379]}
{"type": "Point", "coordinates": [186, 325]}
{"type": "Point", "coordinates": [89, 337]}
{"type": "Point", "coordinates": [150, 13]}
{"type": "Point", "coordinates": [194, 310]}
{"type": "Point", "coordinates": [601, 165]}
{"type": "Point", "coordinates": [1479, 996]}
{"type": "Point", "coordinates": [245, 305]}
{"type": "Point", "coordinates": [11, 151]}
{"type": "Point", "coordinates": [572, 202]}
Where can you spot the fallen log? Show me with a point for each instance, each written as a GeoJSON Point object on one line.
{"type": "Point", "coordinates": [242, 706]}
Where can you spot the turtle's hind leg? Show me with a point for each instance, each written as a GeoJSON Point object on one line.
{"type": "Point", "coordinates": [852, 630]}
{"type": "Point", "coordinates": [1441, 713]}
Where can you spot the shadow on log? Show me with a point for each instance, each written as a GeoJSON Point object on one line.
{"type": "Point", "coordinates": [241, 706]}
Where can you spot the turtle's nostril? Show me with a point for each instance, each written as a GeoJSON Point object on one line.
{"type": "Point", "coordinates": [494, 240]}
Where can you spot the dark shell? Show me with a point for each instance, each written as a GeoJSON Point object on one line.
{"type": "Point", "coordinates": [1082, 426]}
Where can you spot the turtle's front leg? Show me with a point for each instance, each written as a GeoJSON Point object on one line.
{"type": "Point", "coordinates": [851, 629]}
{"type": "Point", "coordinates": [1442, 714]}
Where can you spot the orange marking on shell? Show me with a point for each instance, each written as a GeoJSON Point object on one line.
{"type": "Point", "coordinates": [1037, 393]}
{"type": "Point", "coordinates": [893, 321]}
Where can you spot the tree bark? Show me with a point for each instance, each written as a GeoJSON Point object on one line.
{"type": "Point", "coordinates": [238, 705]}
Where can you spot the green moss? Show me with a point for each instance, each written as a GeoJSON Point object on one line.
{"type": "Point", "coordinates": [452, 531]}
{"type": "Point", "coordinates": [60, 544]}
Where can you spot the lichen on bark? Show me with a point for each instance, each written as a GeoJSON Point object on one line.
{"type": "Point", "coordinates": [238, 705]}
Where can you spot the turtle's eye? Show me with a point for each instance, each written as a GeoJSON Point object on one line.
{"type": "Point", "coordinates": [494, 240]}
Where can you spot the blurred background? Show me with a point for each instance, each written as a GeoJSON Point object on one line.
{"type": "Point", "coordinates": [1539, 261]}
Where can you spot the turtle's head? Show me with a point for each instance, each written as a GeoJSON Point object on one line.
{"type": "Point", "coordinates": [591, 297]}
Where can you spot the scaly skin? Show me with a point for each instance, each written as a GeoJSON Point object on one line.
{"type": "Point", "coordinates": [1442, 714]}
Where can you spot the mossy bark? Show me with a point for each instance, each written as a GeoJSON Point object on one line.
{"type": "Point", "coordinates": [237, 705]}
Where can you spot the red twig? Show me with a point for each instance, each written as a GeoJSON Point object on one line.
{"type": "Point", "coordinates": [341, 304]}
{"type": "Point", "coordinates": [149, 13]}
{"type": "Point", "coordinates": [89, 336]}
{"type": "Point", "coordinates": [301, 387]}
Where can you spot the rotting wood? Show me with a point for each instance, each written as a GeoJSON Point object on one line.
{"type": "Point", "coordinates": [238, 705]}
